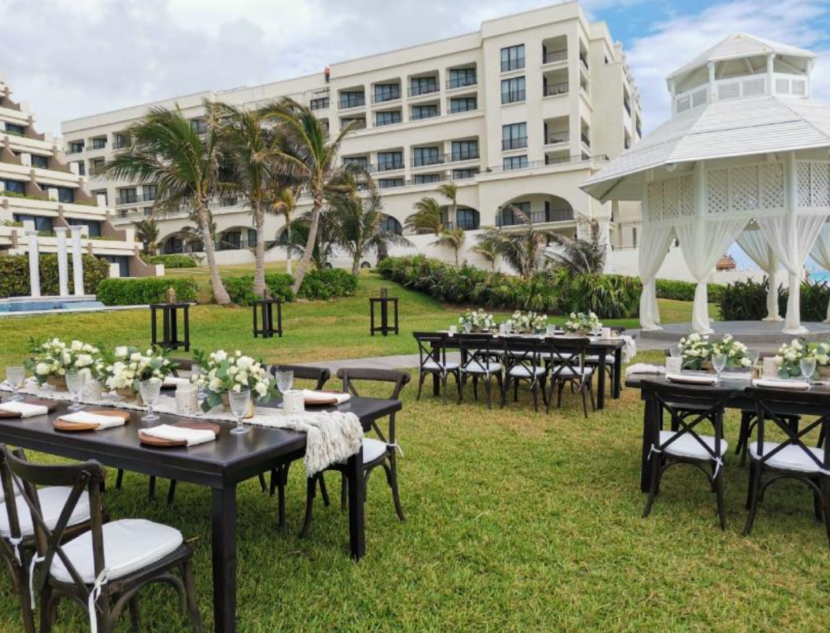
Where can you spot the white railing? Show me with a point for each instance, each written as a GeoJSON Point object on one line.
{"type": "Point", "coordinates": [742, 88]}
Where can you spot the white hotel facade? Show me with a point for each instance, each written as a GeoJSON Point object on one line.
{"type": "Point", "coordinates": [519, 113]}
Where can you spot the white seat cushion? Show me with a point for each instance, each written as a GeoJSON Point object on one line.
{"type": "Point", "coordinates": [52, 500]}
{"type": "Point", "coordinates": [431, 365]}
{"type": "Point", "coordinates": [609, 359]}
{"type": "Point", "coordinates": [688, 446]}
{"type": "Point", "coordinates": [129, 545]}
{"type": "Point", "coordinates": [478, 367]}
{"type": "Point", "coordinates": [789, 458]}
{"type": "Point", "coordinates": [372, 449]}
{"type": "Point", "coordinates": [572, 372]}
{"type": "Point", "coordinates": [520, 371]}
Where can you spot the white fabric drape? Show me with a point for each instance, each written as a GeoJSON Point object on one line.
{"type": "Point", "coordinates": [821, 253]}
{"type": "Point", "coordinates": [791, 241]}
{"type": "Point", "coordinates": [654, 247]}
{"type": "Point", "coordinates": [703, 243]}
{"type": "Point", "coordinates": [755, 245]}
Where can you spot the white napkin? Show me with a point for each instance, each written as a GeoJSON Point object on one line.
{"type": "Point", "coordinates": [645, 368]}
{"type": "Point", "coordinates": [179, 434]}
{"type": "Point", "coordinates": [313, 396]}
{"type": "Point", "coordinates": [175, 381]}
{"type": "Point", "coordinates": [772, 383]}
{"type": "Point", "coordinates": [692, 379]}
{"type": "Point", "coordinates": [103, 421]}
{"type": "Point", "coordinates": [25, 409]}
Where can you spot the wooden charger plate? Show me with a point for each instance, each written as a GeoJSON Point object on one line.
{"type": "Point", "coordinates": [74, 427]}
{"type": "Point", "coordinates": [51, 405]}
{"type": "Point", "coordinates": [148, 440]}
{"type": "Point", "coordinates": [323, 399]}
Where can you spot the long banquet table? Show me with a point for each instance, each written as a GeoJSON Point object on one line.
{"type": "Point", "coordinates": [219, 465]}
{"type": "Point", "coordinates": [735, 389]}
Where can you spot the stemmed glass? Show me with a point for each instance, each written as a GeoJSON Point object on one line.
{"type": "Point", "coordinates": [15, 377]}
{"type": "Point", "coordinates": [468, 327]}
{"type": "Point", "coordinates": [75, 383]}
{"type": "Point", "coordinates": [285, 380]}
{"type": "Point", "coordinates": [150, 391]}
{"type": "Point", "coordinates": [719, 362]}
{"type": "Point", "coordinates": [675, 351]}
{"type": "Point", "coordinates": [808, 367]}
{"type": "Point", "coordinates": [239, 401]}
{"type": "Point", "coordinates": [195, 374]}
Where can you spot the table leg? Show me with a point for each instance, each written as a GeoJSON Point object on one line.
{"type": "Point", "coordinates": [153, 327]}
{"type": "Point", "coordinates": [372, 317]}
{"type": "Point", "coordinates": [601, 381]}
{"type": "Point", "coordinates": [616, 387]}
{"type": "Point", "coordinates": [223, 525]}
{"type": "Point", "coordinates": [165, 326]}
{"type": "Point", "coordinates": [357, 493]}
{"type": "Point", "coordinates": [174, 328]}
{"type": "Point", "coordinates": [384, 317]}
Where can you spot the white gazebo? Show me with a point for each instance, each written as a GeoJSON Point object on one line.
{"type": "Point", "coordinates": [743, 159]}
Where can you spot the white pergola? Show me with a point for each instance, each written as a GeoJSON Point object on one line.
{"type": "Point", "coordinates": [744, 159]}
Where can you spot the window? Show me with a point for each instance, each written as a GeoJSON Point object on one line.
{"type": "Point", "coordinates": [149, 192]}
{"type": "Point", "coordinates": [123, 263]}
{"type": "Point", "coordinates": [514, 136]}
{"type": "Point", "coordinates": [460, 77]}
{"type": "Point", "coordinates": [359, 123]}
{"type": "Point", "coordinates": [387, 92]}
{"type": "Point", "coordinates": [510, 216]}
{"type": "Point", "coordinates": [515, 162]}
{"type": "Point", "coordinates": [121, 141]}
{"type": "Point", "coordinates": [465, 104]}
{"type": "Point", "coordinates": [66, 195]}
{"type": "Point", "coordinates": [512, 58]}
{"type": "Point", "coordinates": [15, 186]}
{"type": "Point", "coordinates": [41, 162]}
{"type": "Point", "coordinates": [390, 183]}
{"type": "Point", "coordinates": [319, 104]}
{"type": "Point", "coordinates": [426, 156]}
{"type": "Point", "coordinates": [99, 142]}
{"type": "Point", "coordinates": [424, 112]}
{"type": "Point", "coordinates": [391, 225]}
{"type": "Point", "coordinates": [464, 150]}
{"type": "Point", "coordinates": [466, 219]}
{"type": "Point", "coordinates": [423, 86]}
{"type": "Point", "coordinates": [17, 130]}
{"type": "Point", "coordinates": [41, 223]}
{"type": "Point", "coordinates": [93, 226]}
{"type": "Point", "coordinates": [513, 90]}
{"type": "Point", "coordinates": [76, 147]}
{"type": "Point", "coordinates": [387, 118]}
{"type": "Point", "coordinates": [127, 196]}
{"type": "Point", "coordinates": [390, 160]}
{"type": "Point", "coordinates": [352, 99]}
{"type": "Point", "coordinates": [356, 160]}
{"type": "Point", "coordinates": [96, 166]}
{"type": "Point", "coordinates": [199, 126]}
{"type": "Point", "coordinates": [81, 168]}
{"type": "Point", "coordinates": [464, 174]}
{"type": "Point", "coordinates": [424, 179]}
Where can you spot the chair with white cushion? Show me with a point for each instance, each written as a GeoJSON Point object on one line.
{"type": "Point", "coordinates": [102, 569]}
{"type": "Point", "coordinates": [377, 452]}
{"type": "Point", "coordinates": [791, 458]}
{"type": "Point", "coordinates": [685, 444]}
{"type": "Point", "coordinates": [566, 357]}
{"type": "Point", "coordinates": [523, 361]}
{"type": "Point", "coordinates": [481, 359]}
{"type": "Point", "coordinates": [432, 352]}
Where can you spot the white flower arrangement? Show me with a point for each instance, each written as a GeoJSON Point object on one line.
{"type": "Point", "coordinates": [697, 349]}
{"type": "Point", "coordinates": [789, 357]}
{"type": "Point", "coordinates": [582, 322]}
{"type": "Point", "coordinates": [127, 367]}
{"type": "Point", "coordinates": [529, 321]}
{"type": "Point", "coordinates": [54, 358]}
{"type": "Point", "coordinates": [737, 354]}
{"type": "Point", "coordinates": [225, 372]}
{"type": "Point", "coordinates": [478, 320]}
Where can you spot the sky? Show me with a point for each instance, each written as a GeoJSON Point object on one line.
{"type": "Point", "coordinates": [72, 58]}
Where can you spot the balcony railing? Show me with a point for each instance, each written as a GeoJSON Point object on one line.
{"type": "Point", "coordinates": [627, 106]}
{"type": "Point", "coordinates": [514, 96]}
{"type": "Point", "coordinates": [508, 217]}
{"type": "Point", "coordinates": [454, 83]}
{"type": "Point", "coordinates": [386, 96]}
{"type": "Point", "coordinates": [359, 124]}
{"type": "Point", "coordinates": [149, 196]}
{"type": "Point", "coordinates": [418, 90]}
{"type": "Point", "coordinates": [555, 56]}
{"type": "Point", "coordinates": [391, 165]}
{"type": "Point", "coordinates": [586, 140]}
{"type": "Point", "coordinates": [508, 65]}
{"type": "Point", "coordinates": [319, 104]}
{"type": "Point", "coordinates": [457, 157]}
{"type": "Point", "coordinates": [383, 122]}
{"type": "Point", "coordinates": [233, 245]}
{"type": "Point", "coordinates": [584, 61]}
{"type": "Point", "coordinates": [347, 103]}
{"type": "Point", "coordinates": [550, 161]}
{"type": "Point", "coordinates": [417, 115]}
{"type": "Point", "coordinates": [554, 138]}
{"type": "Point", "coordinates": [513, 143]}
{"type": "Point", "coordinates": [561, 88]}
{"type": "Point", "coordinates": [428, 159]}
{"type": "Point", "coordinates": [127, 198]}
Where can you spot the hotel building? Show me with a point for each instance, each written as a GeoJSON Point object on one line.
{"type": "Point", "coordinates": [518, 114]}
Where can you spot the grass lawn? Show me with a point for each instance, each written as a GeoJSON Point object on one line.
{"type": "Point", "coordinates": [515, 520]}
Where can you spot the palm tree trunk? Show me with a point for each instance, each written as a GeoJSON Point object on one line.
{"type": "Point", "coordinates": [219, 293]}
{"type": "Point", "coordinates": [259, 271]}
{"type": "Point", "coordinates": [305, 261]}
{"type": "Point", "coordinates": [356, 263]}
{"type": "Point", "coordinates": [456, 256]}
{"type": "Point", "coordinates": [289, 251]}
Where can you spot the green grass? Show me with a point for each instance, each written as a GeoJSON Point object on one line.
{"type": "Point", "coordinates": [515, 520]}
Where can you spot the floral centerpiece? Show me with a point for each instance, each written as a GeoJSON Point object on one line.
{"type": "Point", "coordinates": [789, 358]}
{"type": "Point", "coordinates": [52, 359]}
{"type": "Point", "coordinates": [737, 354]}
{"type": "Point", "coordinates": [223, 372]}
{"type": "Point", "coordinates": [478, 321]}
{"type": "Point", "coordinates": [528, 321]}
{"type": "Point", "coordinates": [127, 368]}
{"type": "Point", "coordinates": [582, 323]}
{"type": "Point", "coordinates": [697, 351]}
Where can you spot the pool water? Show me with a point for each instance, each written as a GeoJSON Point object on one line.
{"type": "Point", "coordinates": [35, 305]}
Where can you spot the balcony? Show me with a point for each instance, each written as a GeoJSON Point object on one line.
{"type": "Point", "coordinates": [556, 138]}
{"type": "Point", "coordinates": [584, 61]}
{"type": "Point", "coordinates": [552, 90]}
{"type": "Point", "coordinates": [537, 216]}
{"type": "Point", "coordinates": [420, 90]}
{"type": "Point", "coordinates": [585, 140]}
{"type": "Point", "coordinates": [458, 157]}
{"type": "Point", "coordinates": [148, 196]}
{"type": "Point", "coordinates": [127, 198]}
{"type": "Point", "coordinates": [454, 83]}
{"type": "Point", "coordinates": [319, 104]}
{"type": "Point", "coordinates": [386, 96]}
{"type": "Point", "coordinates": [627, 106]}
{"type": "Point", "coordinates": [359, 124]}
{"type": "Point", "coordinates": [390, 165]}
{"type": "Point", "coordinates": [513, 143]}
{"type": "Point", "coordinates": [555, 56]}
{"type": "Point", "coordinates": [418, 113]}
{"type": "Point", "coordinates": [509, 65]}
{"type": "Point", "coordinates": [430, 159]}
{"type": "Point", "coordinates": [514, 96]}
{"type": "Point", "coordinates": [549, 162]}
{"type": "Point", "coordinates": [347, 103]}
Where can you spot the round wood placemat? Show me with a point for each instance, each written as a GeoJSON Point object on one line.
{"type": "Point", "coordinates": [50, 405]}
{"type": "Point", "coordinates": [75, 427]}
{"type": "Point", "coordinates": [149, 440]}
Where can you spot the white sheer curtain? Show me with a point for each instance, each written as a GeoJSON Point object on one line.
{"type": "Point", "coordinates": [792, 241]}
{"type": "Point", "coordinates": [703, 243]}
{"type": "Point", "coordinates": [821, 253]}
{"type": "Point", "coordinates": [653, 249]}
{"type": "Point", "coordinates": [755, 245]}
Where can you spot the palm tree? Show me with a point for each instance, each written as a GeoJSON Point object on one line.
{"type": "Point", "coordinates": [325, 242]}
{"type": "Point", "coordinates": [183, 165]}
{"type": "Point", "coordinates": [450, 191]}
{"type": "Point", "coordinates": [454, 238]}
{"type": "Point", "coordinates": [358, 224]}
{"type": "Point", "coordinates": [427, 218]}
{"type": "Point", "coordinates": [147, 232]}
{"type": "Point", "coordinates": [308, 154]}
{"type": "Point", "coordinates": [285, 203]}
{"type": "Point", "coordinates": [247, 148]}
{"type": "Point", "coordinates": [488, 248]}
{"type": "Point", "coordinates": [522, 246]}
{"type": "Point", "coordinates": [580, 256]}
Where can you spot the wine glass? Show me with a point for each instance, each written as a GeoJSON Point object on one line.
{"type": "Point", "coordinates": [239, 401]}
{"type": "Point", "coordinates": [195, 375]}
{"type": "Point", "coordinates": [75, 384]}
{"type": "Point", "coordinates": [468, 327]}
{"type": "Point", "coordinates": [15, 377]}
{"type": "Point", "coordinates": [150, 391]}
{"type": "Point", "coordinates": [284, 380]}
{"type": "Point", "coordinates": [719, 362]}
{"type": "Point", "coordinates": [808, 367]}
{"type": "Point", "coordinates": [675, 351]}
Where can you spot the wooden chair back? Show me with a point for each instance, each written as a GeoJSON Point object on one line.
{"type": "Point", "coordinates": [477, 349]}
{"type": "Point", "coordinates": [567, 352]}
{"type": "Point", "coordinates": [349, 375]}
{"type": "Point", "coordinates": [431, 347]}
{"type": "Point", "coordinates": [523, 351]}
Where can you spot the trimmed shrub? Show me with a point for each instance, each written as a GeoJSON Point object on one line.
{"type": "Point", "coordinates": [327, 284]}
{"type": "Point", "coordinates": [14, 275]}
{"type": "Point", "coordinates": [173, 261]}
{"type": "Point", "coordinates": [685, 290]}
{"type": "Point", "coordinates": [747, 300]}
{"type": "Point", "coordinates": [130, 292]}
{"type": "Point", "coordinates": [241, 289]}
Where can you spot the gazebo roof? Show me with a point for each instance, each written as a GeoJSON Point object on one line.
{"type": "Point", "coordinates": [724, 129]}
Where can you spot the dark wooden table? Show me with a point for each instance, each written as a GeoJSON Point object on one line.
{"type": "Point", "coordinates": [265, 307]}
{"type": "Point", "coordinates": [170, 325]}
{"type": "Point", "coordinates": [384, 327]}
{"type": "Point", "coordinates": [600, 347]}
{"type": "Point", "coordinates": [219, 465]}
{"type": "Point", "coordinates": [737, 399]}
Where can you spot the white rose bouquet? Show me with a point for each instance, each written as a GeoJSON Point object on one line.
{"type": "Point", "coordinates": [225, 372]}
{"type": "Point", "coordinates": [737, 354]}
{"type": "Point", "coordinates": [127, 367]}
{"type": "Point", "coordinates": [53, 359]}
{"type": "Point", "coordinates": [789, 357]}
{"type": "Point", "coordinates": [478, 320]}
{"type": "Point", "coordinates": [529, 321]}
{"type": "Point", "coordinates": [695, 350]}
{"type": "Point", "coordinates": [582, 322]}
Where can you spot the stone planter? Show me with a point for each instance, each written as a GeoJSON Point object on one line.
{"type": "Point", "coordinates": [130, 396]}
{"type": "Point", "coordinates": [58, 383]}
{"type": "Point", "coordinates": [226, 407]}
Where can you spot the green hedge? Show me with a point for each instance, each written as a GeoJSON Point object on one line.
{"type": "Point", "coordinates": [318, 285]}
{"type": "Point", "coordinates": [685, 290]}
{"type": "Point", "coordinates": [14, 275]}
{"type": "Point", "coordinates": [747, 301]}
{"type": "Point", "coordinates": [241, 289]}
{"type": "Point", "coordinates": [173, 261]}
{"type": "Point", "coordinates": [129, 292]}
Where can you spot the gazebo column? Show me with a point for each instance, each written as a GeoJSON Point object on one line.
{"type": "Point", "coordinates": [77, 261]}
{"type": "Point", "coordinates": [794, 265]}
{"type": "Point", "coordinates": [773, 312]}
{"type": "Point", "coordinates": [63, 261]}
{"type": "Point", "coordinates": [34, 264]}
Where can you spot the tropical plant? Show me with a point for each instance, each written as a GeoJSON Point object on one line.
{"type": "Point", "coordinates": [453, 238]}
{"type": "Point", "coordinates": [308, 154]}
{"type": "Point", "coordinates": [284, 203]}
{"type": "Point", "coordinates": [183, 165]}
{"type": "Point", "coordinates": [147, 232]}
{"type": "Point", "coordinates": [450, 191]}
{"type": "Point", "coordinates": [577, 255]}
{"type": "Point", "coordinates": [427, 218]}
{"type": "Point", "coordinates": [487, 247]}
{"type": "Point", "coordinates": [324, 244]}
{"type": "Point", "coordinates": [523, 245]}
